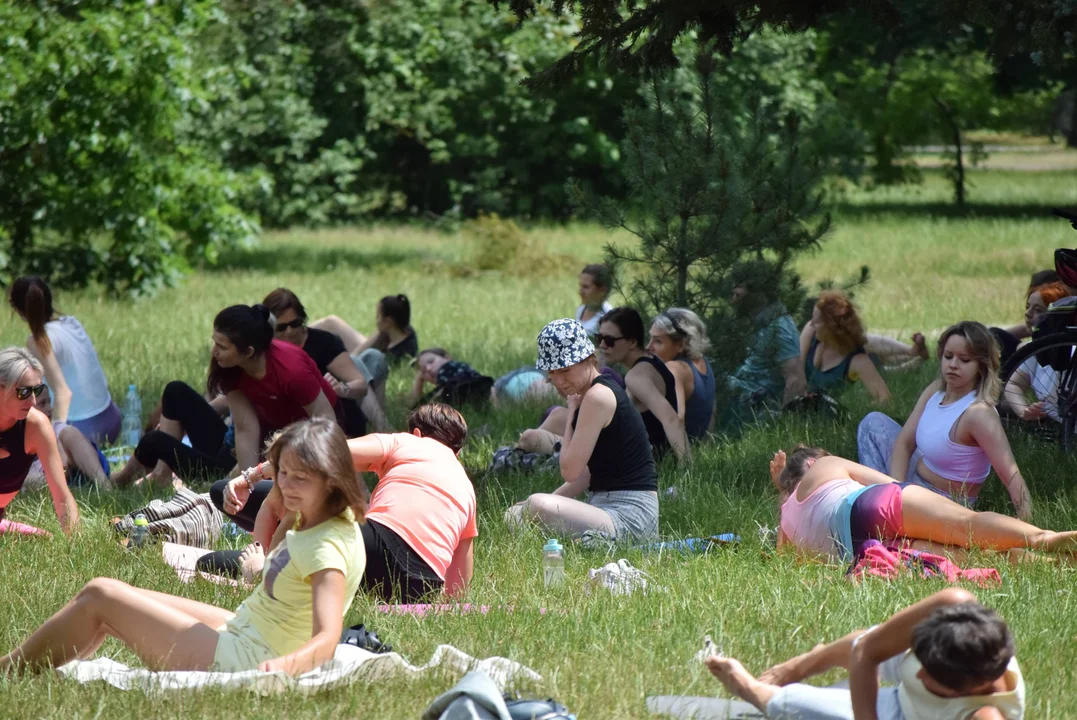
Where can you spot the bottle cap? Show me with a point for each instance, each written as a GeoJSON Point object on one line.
{"type": "Point", "coordinates": [141, 522]}
{"type": "Point", "coordinates": [131, 388]}
{"type": "Point", "coordinates": [552, 545]}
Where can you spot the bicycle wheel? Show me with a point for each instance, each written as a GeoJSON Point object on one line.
{"type": "Point", "coordinates": [1045, 371]}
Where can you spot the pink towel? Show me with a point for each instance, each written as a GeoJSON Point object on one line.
{"type": "Point", "coordinates": [888, 562]}
{"type": "Point", "coordinates": [7, 526]}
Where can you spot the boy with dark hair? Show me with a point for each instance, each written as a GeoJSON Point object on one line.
{"type": "Point", "coordinates": [949, 657]}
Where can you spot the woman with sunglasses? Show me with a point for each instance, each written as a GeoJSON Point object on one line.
{"type": "Point", "coordinates": [334, 363]}
{"type": "Point", "coordinates": [679, 339]}
{"type": "Point", "coordinates": [267, 384]}
{"type": "Point", "coordinates": [72, 370]}
{"type": "Point", "coordinates": [650, 384]}
{"type": "Point", "coordinates": [25, 435]}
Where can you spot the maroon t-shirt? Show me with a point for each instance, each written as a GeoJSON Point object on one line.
{"type": "Point", "coordinates": [291, 382]}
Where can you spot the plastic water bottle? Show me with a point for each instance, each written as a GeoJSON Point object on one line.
{"type": "Point", "coordinates": [132, 417]}
{"type": "Point", "coordinates": [553, 563]}
{"type": "Point", "coordinates": [140, 533]}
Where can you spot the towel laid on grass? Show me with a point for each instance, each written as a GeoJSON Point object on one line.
{"type": "Point", "coordinates": [877, 560]}
{"type": "Point", "coordinates": [188, 518]}
{"type": "Point", "coordinates": [349, 665]}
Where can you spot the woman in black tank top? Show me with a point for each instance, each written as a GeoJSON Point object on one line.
{"type": "Point", "coordinates": [651, 386]}
{"type": "Point", "coordinates": [605, 449]}
{"type": "Point", "coordinates": [25, 434]}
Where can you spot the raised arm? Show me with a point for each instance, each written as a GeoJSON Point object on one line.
{"type": "Point", "coordinates": [884, 642]}
{"type": "Point", "coordinates": [862, 367]}
{"type": "Point", "coordinates": [641, 383]}
{"type": "Point", "coordinates": [905, 444]}
{"type": "Point", "coordinates": [41, 441]}
{"type": "Point", "coordinates": [987, 431]}
{"type": "Point", "coordinates": [61, 392]}
{"type": "Point", "coordinates": [596, 410]}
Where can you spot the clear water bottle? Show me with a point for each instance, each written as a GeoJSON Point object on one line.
{"type": "Point", "coordinates": [140, 533]}
{"type": "Point", "coordinates": [132, 417]}
{"type": "Point", "coordinates": [553, 563]}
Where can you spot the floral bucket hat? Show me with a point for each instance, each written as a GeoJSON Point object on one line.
{"type": "Point", "coordinates": [563, 343]}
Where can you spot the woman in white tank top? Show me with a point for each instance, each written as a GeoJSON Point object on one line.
{"type": "Point", "coordinates": [73, 372]}
{"type": "Point", "coordinates": [954, 436]}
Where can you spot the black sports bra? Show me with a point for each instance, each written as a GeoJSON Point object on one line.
{"type": "Point", "coordinates": [14, 467]}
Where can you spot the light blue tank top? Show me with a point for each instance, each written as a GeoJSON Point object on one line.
{"type": "Point", "coordinates": [699, 407]}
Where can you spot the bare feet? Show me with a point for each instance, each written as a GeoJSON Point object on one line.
{"type": "Point", "coordinates": [920, 343]}
{"type": "Point", "coordinates": [251, 562]}
{"type": "Point", "coordinates": [740, 682]}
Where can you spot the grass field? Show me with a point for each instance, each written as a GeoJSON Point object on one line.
{"type": "Point", "coordinates": [600, 655]}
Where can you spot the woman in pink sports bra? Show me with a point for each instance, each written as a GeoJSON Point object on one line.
{"type": "Point", "coordinates": [954, 436]}
{"type": "Point", "coordinates": [832, 506]}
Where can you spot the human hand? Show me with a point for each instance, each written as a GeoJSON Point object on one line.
{"type": "Point", "coordinates": [274, 665]}
{"type": "Point", "coordinates": [338, 387]}
{"type": "Point", "coordinates": [574, 402]}
{"type": "Point", "coordinates": [777, 465]}
{"type": "Point", "coordinates": [1035, 411]}
{"type": "Point", "coordinates": [236, 494]}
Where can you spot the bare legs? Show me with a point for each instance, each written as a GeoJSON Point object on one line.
{"type": "Point", "coordinates": [566, 517]}
{"type": "Point", "coordinates": [353, 339]}
{"type": "Point", "coordinates": [166, 632]}
{"type": "Point", "coordinates": [76, 449]}
{"type": "Point", "coordinates": [740, 682]}
{"type": "Point", "coordinates": [929, 516]}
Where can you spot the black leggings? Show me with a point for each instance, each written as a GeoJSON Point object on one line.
{"type": "Point", "coordinates": [394, 572]}
{"type": "Point", "coordinates": [208, 457]}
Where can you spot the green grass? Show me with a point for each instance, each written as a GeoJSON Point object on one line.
{"type": "Point", "coordinates": [600, 655]}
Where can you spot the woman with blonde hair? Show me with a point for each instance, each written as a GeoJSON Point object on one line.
{"type": "Point", "coordinates": [26, 434]}
{"type": "Point", "coordinates": [954, 437]}
{"type": "Point", "coordinates": [679, 339]}
{"type": "Point", "coordinates": [832, 348]}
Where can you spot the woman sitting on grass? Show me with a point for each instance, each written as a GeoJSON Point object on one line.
{"type": "Point", "coordinates": [954, 436]}
{"type": "Point", "coordinates": [830, 507]}
{"type": "Point", "coordinates": [595, 281]}
{"type": "Point", "coordinates": [650, 384]}
{"type": "Point", "coordinates": [946, 656]}
{"type": "Point", "coordinates": [1036, 304]}
{"type": "Point", "coordinates": [82, 461]}
{"type": "Point", "coordinates": [267, 385]}
{"type": "Point", "coordinates": [1032, 377]}
{"type": "Point", "coordinates": [604, 449]}
{"type": "Point", "coordinates": [293, 619]}
{"type": "Point", "coordinates": [832, 349]}
{"type": "Point", "coordinates": [421, 519]}
{"type": "Point", "coordinates": [679, 339]}
{"type": "Point", "coordinates": [26, 434]}
{"type": "Point", "coordinates": [70, 362]}
{"type": "Point", "coordinates": [394, 338]}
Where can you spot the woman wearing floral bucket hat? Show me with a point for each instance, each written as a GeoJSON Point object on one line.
{"type": "Point", "coordinates": [604, 450]}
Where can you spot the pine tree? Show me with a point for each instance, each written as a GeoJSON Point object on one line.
{"type": "Point", "coordinates": [721, 194]}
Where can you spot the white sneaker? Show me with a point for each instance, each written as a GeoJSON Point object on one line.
{"type": "Point", "coordinates": [620, 578]}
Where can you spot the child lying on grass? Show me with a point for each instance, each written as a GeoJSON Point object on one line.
{"type": "Point", "coordinates": [950, 658]}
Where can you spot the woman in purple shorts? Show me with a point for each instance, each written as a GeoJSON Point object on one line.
{"type": "Point", "coordinates": [831, 506]}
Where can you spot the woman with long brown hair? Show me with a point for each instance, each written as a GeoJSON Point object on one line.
{"type": "Point", "coordinates": [73, 372]}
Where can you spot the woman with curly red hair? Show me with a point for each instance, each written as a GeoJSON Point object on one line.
{"type": "Point", "coordinates": [832, 348]}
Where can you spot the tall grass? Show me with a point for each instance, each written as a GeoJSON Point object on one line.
{"type": "Point", "coordinates": [600, 655]}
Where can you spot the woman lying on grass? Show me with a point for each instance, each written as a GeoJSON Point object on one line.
{"type": "Point", "coordinates": [832, 506]}
{"type": "Point", "coordinates": [293, 619]}
{"type": "Point", "coordinates": [946, 656]}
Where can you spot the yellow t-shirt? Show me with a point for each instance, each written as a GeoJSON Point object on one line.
{"type": "Point", "coordinates": [281, 608]}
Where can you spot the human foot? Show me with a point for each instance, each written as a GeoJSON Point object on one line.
{"type": "Point", "coordinates": [251, 562]}
{"type": "Point", "coordinates": [739, 681]}
{"type": "Point", "coordinates": [920, 343]}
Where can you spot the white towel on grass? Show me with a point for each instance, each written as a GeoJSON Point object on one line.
{"type": "Point", "coordinates": [349, 665]}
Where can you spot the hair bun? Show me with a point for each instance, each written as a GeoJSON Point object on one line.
{"type": "Point", "coordinates": [263, 311]}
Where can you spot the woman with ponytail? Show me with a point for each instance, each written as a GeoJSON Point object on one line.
{"type": "Point", "coordinates": [72, 370]}
{"type": "Point", "coordinates": [267, 385]}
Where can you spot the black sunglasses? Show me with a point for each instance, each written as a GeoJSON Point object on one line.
{"type": "Point", "coordinates": [23, 393]}
{"type": "Point", "coordinates": [607, 340]}
{"type": "Point", "coordinates": [297, 323]}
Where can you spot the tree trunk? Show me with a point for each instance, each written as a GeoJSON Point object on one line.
{"type": "Point", "coordinates": [949, 119]}
{"type": "Point", "coordinates": [682, 264]}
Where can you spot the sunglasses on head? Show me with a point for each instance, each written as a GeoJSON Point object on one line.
{"type": "Point", "coordinates": [23, 393]}
{"type": "Point", "coordinates": [297, 323]}
{"type": "Point", "coordinates": [607, 340]}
